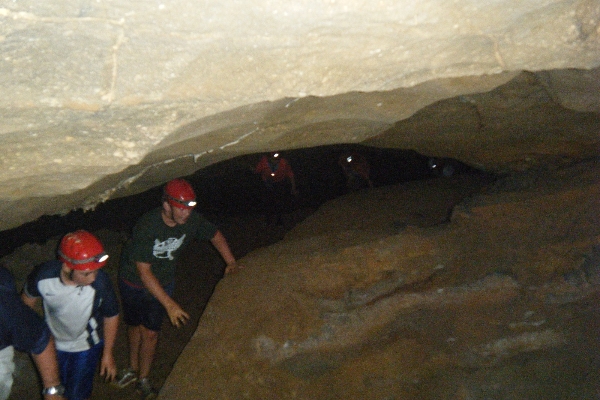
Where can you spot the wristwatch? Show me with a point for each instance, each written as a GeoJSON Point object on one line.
{"type": "Point", "coordinates": [57, 390]}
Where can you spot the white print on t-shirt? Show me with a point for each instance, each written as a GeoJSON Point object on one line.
{"type": "Point", "coordinates": [164, 249]}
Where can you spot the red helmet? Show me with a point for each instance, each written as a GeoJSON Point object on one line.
{"type": "Point", "coordinates": [82, 251]}
{"type": "Point", "coordinates": [179, 193]}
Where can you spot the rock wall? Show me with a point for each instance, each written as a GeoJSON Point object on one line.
{"type": "Point", "coordinates": [379, 295]}
{"type": "Point", "coordinates": [107, 98]}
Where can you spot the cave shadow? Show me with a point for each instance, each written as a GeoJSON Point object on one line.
{"type": "Point", "coordinates": [230, 189]}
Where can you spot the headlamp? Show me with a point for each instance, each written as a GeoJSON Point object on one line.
{"type": "Point", "coordinates": [97, 258]}
{"type": "Point", "coordinates": [189, 203]}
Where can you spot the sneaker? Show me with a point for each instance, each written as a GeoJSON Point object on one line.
{"type": "Point", "coordinates": [144, 388]}
{"type": "Point", "coordinates": [125, 377]}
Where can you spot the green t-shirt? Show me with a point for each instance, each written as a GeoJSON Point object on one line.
{"type": "Point", "coordinates": [156, 243]}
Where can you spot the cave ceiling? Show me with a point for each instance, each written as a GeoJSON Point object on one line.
{"type": "Point", "coordinates": [103, 99]}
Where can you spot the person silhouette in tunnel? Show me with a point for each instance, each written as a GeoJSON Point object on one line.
{"type": "Point", "coordinates": [356, 170]}
{"type": "Point", "coordinates": [147, 275]}
{"type": "Point", "coordinates": [21, 328]}
{"type": "Point", "coordinates": [443, 167]}
{"type": "Point", "coordinates": [279, 183]}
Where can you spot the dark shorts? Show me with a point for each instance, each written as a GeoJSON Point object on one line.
{"type": "Point", "coordinates": [141, 308]}
{"type": "Point", "coordinates": [77, 371]}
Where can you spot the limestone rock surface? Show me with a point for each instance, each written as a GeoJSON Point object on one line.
{"type": "Point", "coordinates": [105, 98]}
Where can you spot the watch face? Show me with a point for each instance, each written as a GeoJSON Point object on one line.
{"type": "Point", "coordinates": [58, 390]}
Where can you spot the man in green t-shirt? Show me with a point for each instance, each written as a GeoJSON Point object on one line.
{"type": "Point", "coordinates": [147, 275]}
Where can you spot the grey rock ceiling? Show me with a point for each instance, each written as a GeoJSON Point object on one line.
{"type": "Point", "coordinates": [107, 98]}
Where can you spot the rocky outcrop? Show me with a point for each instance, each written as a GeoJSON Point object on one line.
{"type": "Point", "coordinates": [355, 304]}
{"type": "Point", "coordinates": [105, 99]}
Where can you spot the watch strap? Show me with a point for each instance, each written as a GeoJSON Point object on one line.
{"type": "Point", "coordinates": [57, 390]}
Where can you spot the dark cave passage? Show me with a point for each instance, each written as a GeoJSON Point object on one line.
{"type": "Point", "coordinates": [230, 189]}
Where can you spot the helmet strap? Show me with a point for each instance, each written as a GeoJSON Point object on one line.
{"type": "Point", "coordinates": [167, 214]}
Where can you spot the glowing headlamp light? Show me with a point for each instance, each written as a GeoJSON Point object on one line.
{"type": "Point", "coordinates": [97, 259]}
{"type": "Point", "coordinates": [189, 203]}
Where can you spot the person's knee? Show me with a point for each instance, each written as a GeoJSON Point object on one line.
{"type": "Point", "coordinates": [149, 334]}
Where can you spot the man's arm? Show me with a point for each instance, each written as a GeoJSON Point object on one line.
{"type": "Point", "coordinates": [176, 314]}
{"type": "Point", "coordinates": [293, 182]}
{"type": "Point", "coordinates": [222, 247]}
{"type": "Point", "coordinates": [261, 166]}
{"type": "Point", "coordinates": [108, 367]}
{"type": "Point", "coordinates": [289, 174]}
{"type": "Point", "coordinates": [30, 301]}
{"type": "Point", "coordinates": [48, 367]}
